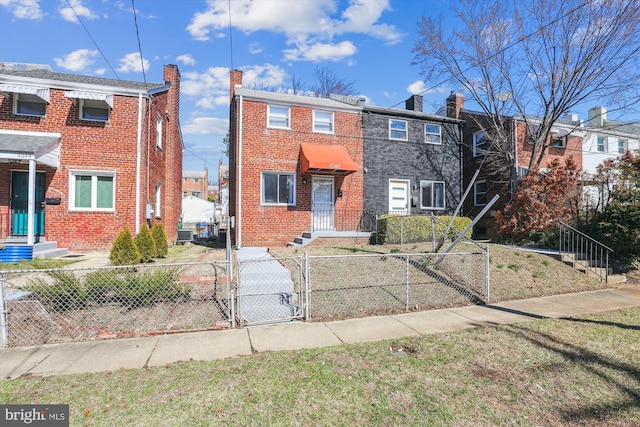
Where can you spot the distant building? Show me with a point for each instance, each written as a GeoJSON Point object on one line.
{"type": "Point", "coordinates": [195, 183]}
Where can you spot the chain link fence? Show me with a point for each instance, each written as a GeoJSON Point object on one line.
{"type": "Point", "coordinates": [79, 304]}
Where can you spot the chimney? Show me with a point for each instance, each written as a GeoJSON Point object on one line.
{"type": "Point", "coordinates": [597, 117]}
{"type": "Point", "coordinates": [235, 79]}
{"type": "Point", "coordinates": [414, 103]}
{"type": "Point", "coordinates": [455, 103]}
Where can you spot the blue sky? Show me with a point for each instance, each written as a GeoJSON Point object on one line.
{"type": "Point", "coordinates": [368, 42]}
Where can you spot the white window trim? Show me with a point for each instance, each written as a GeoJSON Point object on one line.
{"type": "Point", "coordinates": [604, 144]}
{"type": "Point", "coordinates": [94, 195]}
{"type": "Point", "coordinates": [476, 193]}
{"type": "Point", "coordinates": [475, 142]}
{"type": "Point", "coordinates": [406, 130]}
{"type": "Point", "coordinates": [81, 112]}
{"type": "Point", "coordinates": [278, 173]}
{"type": "Point", "coordinates": [430, 133]}
{"type": "Point", "coordinates": [16, 97]}
{"type": "Point", "coordinates": [159, 126]}
{"type": "Point", "coordinates": [331, 121]}
{"type": "Point", "coordinates": [444, 195]}
{"type": "Point", "coordinates": [624, 147]}
{"type": "Point", "coordinates": [288, 108]}
{"type": "Point", "coordinates": [158, 205]}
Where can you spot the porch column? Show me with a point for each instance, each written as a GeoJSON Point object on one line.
{"type": "Point", "coordinates": [31, 209]}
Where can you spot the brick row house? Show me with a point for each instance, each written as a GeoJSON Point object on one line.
{"type": "Point", "coordinates": [295, 165]}
{"type": "Point", "coordinates": [81, 158]}
{"type": "Point", "coordinates": [324, 166]}
{"type": "Point", "coordinates": [565, 141]}
{"type": "Point", "coordinates": [412, 160]}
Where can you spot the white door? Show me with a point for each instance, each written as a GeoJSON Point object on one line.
{"type": "Point", "coordinates": [398, 196]}
{"type": "Point", "coordinates": [322, 203]}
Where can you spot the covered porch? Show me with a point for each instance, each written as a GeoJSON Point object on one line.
{"type": "Point", "coordinates": [22, 212]}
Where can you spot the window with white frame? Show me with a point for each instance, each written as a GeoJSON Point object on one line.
{"type": "Point", "coordinates": [278, 188]}
{"type": "Point", "coordinates": [432, 195]}
{"type": "Point", "coordinates": [185, 193]}
{"type": "Point", "coordinates": [92, 191]}
{"type": "Point", "coordinates": [432, 133]}
{"type": "Point", "coordinates": [601, 145]}
{"type": "Point", "coordinates": [622, 146]}
{"type": "Point", "coordinates": [94, 110]}
{"type": "Point", "coordinates": [398, 129]}
{"type": "Point", "coordinates": [322, 121]}
{"type": "Point", "coordinates": [196, 193]}
{"type": "Point", "coordinates": [158, 213]}
{"type": "Point", "coordinates": [26, 104]}
{"type": "Point", "coordinates": [479, 143]}
{"type": "Point", "coordinates": [196, 180]}
{"type": "Point", "coordinates": [279, 116]}
{"type": "Point", "coordinates": [480, 193]}
{"type": "Point", "coordinates": [159, 131]}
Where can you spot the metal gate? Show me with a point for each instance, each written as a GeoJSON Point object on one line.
{"type": "Point", "coordinates": [270, 291]}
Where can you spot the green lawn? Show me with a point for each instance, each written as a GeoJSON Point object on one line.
{"type": "Point", "coordinates": [553, 372]}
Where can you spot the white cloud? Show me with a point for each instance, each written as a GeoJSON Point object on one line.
{"type": "Point", "coordinates": [263, 76]}
{"type": "Point", "coordinates": [186, 59]}
{"type": "Point", "coordinates": [211, 102]}
{"type": "Point", "coordinates": [74, 9]}
{"type": "Point", "coordinates": [321, 52]}
{"type": "Point", "coordinates": [418, 87]}
{"type": "Point", "coordinates": [255, 48]}
{"type": "Point", "coordinates": [23, 9]}
{"type": "Point", "coordinates": [213, 81]}
{"type": "Point", "coordinates": [131, 62]}
{"type": "Point", "coordinates": [309, 25]}
{"type": "Point", "coordinates": [100, 71]}
{"type": "Point", "coordinates": [78, 60]}
{"type": "Point", "coordinates": [206, 126]}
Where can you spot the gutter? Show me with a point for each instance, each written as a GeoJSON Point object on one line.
{"type": "Point", "coordinates": [138, 142]}
{"type": "Point", "coordinates": [239, 180]}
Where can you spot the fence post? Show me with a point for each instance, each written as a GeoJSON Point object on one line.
{"type": "Point", "coordinates": [487, 274]}
{"type": "Point", "coordinates": [402, 232]}
{"type": "Point", "coordinates": [4, 324]}
{"type": "Point", "coordinates": [433, 232]}
{"type": "Point", "coordinates": [307, 290]}
{"type": "Point", "coordinates": [407, 281]}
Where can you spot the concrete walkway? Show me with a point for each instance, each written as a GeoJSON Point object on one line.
{"type": "Point", "coordinates": [100, 356]}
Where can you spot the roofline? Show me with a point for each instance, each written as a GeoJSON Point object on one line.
{"type": "Point", "coordinates": [66, 85]}
{"type": "Point", "coordinates": [285, 98]}
{"type": "Point", "coordinates": [411, 114]}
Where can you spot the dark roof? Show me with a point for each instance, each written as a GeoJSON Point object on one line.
{"type": "Point", "coordinates": [25, 143]}
{"type": "Point", "coordinates": [74, 78]}
{"type": "Point", "coordinates": [410, 114]}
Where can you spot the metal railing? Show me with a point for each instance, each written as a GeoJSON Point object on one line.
{"type": "Point", "coordinates": [584, 252]}
{"type": "Point", "coordinates": [343, 220]}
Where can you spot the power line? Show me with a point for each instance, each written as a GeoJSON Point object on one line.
{"type": "Point", "coordinates": [135, 20]}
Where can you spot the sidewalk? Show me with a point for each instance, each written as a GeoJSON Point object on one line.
{"type": "Point", "coordinates": [100, 356]}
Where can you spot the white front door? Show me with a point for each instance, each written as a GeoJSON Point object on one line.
{"type": "Point", "coordinates": [398, 196]}
{"type": "Point", "coordinates": [322, 203]}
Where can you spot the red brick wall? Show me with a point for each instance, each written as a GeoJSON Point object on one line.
{"type": "Point", "coordinates": [108, 146]}
{"type": "Point", "coordinates": [573, 149]}
{"type": "Point", "coordinates": [279, 150]}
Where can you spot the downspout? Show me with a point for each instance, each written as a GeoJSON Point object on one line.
{"type": "Point", "coordinates": [139, 141]}
{"type": "Point", "coordinates": [31, 203]}
{"type": "Point", "coordinates": [239, 173]}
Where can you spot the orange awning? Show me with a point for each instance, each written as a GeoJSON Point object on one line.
{"type": "Point", "coordinates": [326, 158]}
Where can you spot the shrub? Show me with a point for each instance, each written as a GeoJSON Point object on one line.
{"type": "Point", "coordinates": [124, 250]}
{"type": "Point", "coordinates": [151, 287]}
{"type": "Point", "coordinates": [160, 239]}
{"type": "Point", "coordinates": [394, 228]}
{"type": "Point", "coordinates": [66, 292]}
{"type": "Point", "coordinates": [144, 243]}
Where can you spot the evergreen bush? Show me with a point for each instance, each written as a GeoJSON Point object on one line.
{"type": "Point", "coordinates": [144, 243]}
{"type": "Point", "coordinates": [397, 228]}
{"type": "Point", "coordinates": [160, 239]}
{"type": "Point", "coordinates": [124, 250]}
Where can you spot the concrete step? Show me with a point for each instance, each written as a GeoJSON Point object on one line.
{"type": "Point", "coordinates": [51, 253]}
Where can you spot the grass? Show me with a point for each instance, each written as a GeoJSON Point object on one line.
{"type": "Point", "coordinates": [36, 264]}
{"type": "Point", "coordinates": [551, 372]}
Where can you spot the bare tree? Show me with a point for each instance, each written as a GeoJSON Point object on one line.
{"type": "Point", "coordinates": [536, 60]}
{"type": "Point", "coordinates": [327, 82]}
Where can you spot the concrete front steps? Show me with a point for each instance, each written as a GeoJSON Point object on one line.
{"type": "Point", "coordinates": [578, 262]}
{"type": "Point", "coordinates": [41, 249]}
{"type": "Point", "coordinates": [332, 238]}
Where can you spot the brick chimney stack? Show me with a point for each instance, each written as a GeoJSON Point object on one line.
{"type": "Point", "coordinates": [235, 79]}
{"type": "Point", "coordinates": [414, 103]}
{"type": "Point", "coordinates": [455, 103]}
